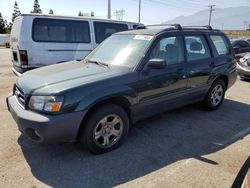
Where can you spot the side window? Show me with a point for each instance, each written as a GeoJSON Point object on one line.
{"type": "Point", "coordinates": [59, 30]}
{"type": "Point", "coordinates": [244, 44]}
{"type": "Point", "coordinates": [220, 44]}
{"type": "Point", "coordinates": [105, 29]}
{"type": "Point", "coordinates": [197, 48]}
{"type": "Point", "coordinates": [135, 26]}
{"type": "Point", "coordinates": [169, 49]}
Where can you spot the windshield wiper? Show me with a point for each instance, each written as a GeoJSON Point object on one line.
{"type": "Point", "coordinates": [98, 63]}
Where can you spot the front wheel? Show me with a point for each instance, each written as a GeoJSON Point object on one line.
{"type": "Point", "coordinates": [105, 129]}
{"type": "Point", "coordinates": [215, 95]}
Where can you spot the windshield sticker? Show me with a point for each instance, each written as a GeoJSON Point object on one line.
{"type": "Point", "coordinates": [143, 37]}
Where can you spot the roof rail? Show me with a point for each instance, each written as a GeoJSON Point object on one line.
{"type": "Point", "coordinates": [176, 26]}
{"type": "Point", "coordinates": [204, 26]}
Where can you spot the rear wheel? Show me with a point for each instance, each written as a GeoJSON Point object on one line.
{"type": "Point", "coordinates": [215, 95]}
{"type": "Point", "coordinates": [105, 129]}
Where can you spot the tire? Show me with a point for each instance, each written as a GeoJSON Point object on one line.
{"type": "Point", "coordinates": [105, 130]}
{"type": "Point", "coordinates": [215, 95]}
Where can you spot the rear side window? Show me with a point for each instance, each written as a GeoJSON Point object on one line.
{"type": "Point", "coordinates": [220, 44]}
{"type": "Point", "coordinates": [58, 30]}
{"type": "Point", "coordinates": [197, 48]}
{"type": "Point", "coordinates": [105, 29]}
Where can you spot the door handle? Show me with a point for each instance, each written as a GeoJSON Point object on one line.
{"type": "Point", "coordinates": [181, 70]}
{"type": "Point", "coordinates": [212, 64]}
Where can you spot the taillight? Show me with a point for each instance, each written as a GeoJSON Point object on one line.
{"type": "Point", "coordinates": [23, 57]}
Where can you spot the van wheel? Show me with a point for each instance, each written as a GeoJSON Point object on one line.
{"type": "Point", "coordinates": [105, 130]}
{"type": "Point", "coordinates": [215, 95]}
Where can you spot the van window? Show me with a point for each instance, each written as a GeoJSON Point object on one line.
{"type": "Point", "coordinates": [105, 29]}
{"type": "Point", "coordinates": [197, 48]}
{"type": "Point", "coordinates": [56, 30]}
{"type": "Point", "coordinates": [220, 44]}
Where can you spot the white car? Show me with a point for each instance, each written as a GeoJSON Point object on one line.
{"type": "Point", "coordinates": [39, 40]}
{"type": "Point", "coordinates": [243, 67]}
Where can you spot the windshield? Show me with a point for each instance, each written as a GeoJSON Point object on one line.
{"type": "Point", "coordinates": [122, 50]}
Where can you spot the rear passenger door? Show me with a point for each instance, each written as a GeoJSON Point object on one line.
{"type": "Point", "coordinates": [199, 63]}
{"type": "Point", "coordinates": [103, 30]}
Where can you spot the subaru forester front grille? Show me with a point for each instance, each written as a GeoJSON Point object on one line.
{"type": "Point", "coordinates": [19, 94]}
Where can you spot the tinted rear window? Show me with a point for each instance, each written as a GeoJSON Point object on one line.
{"type": "Point", "coordinates": [105, 29]}
{"type": "Point", "coordinates": [58, 30]}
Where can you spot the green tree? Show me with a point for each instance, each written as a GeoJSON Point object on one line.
{"type": "Point", "coordinates": [2, 24]}
{"type": "Point", "coordinates": [85, 14]}
{"type": "Point", "coordinates": [36, 7]}
{"type": "Point", "coordinates": [80, 13]}
{"type": "Point", "coordinates": [16, 12]}
{"type": "Point", "coordinates": [51, 11]}
{"type": "Point", "coordinates": [8, 26]}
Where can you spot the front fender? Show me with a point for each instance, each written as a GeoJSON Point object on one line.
{"type": "Point", "coordinates": [103, 94]}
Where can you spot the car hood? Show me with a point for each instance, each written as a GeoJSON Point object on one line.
{"type": "Point", "coordinates": [67, 75]}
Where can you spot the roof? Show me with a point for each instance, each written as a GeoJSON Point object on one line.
{"type": "Point", "coordinates": [75, 17]}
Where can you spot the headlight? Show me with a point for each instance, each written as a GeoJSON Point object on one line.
{"type": "Point", "coordinates": [46, 103]}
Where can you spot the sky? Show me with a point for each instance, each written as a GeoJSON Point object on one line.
{"type": "Point", "coordinates": [152, 11]}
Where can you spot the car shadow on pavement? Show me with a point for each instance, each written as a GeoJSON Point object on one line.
{"type": "Point", "coordinates": [152, 144]}
{"type": "Point", "coordinates": [245, 80]}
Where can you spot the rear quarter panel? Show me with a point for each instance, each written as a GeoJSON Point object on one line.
{"type": "Point", "coordinates": [223, 64]}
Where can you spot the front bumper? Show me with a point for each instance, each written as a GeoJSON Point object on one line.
{"type": "Point", "coordinates": [243, 72]}
{"type": "Point", "coordinates": [16, 72]}
{"type": "Point", "coordinates": [45, 128]}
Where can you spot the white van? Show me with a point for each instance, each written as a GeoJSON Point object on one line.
{"type": "Point", "coordinates": [39, 40]}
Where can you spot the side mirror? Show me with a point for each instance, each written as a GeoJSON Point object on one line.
{"type": "Point", "coordinates": [157, 63]}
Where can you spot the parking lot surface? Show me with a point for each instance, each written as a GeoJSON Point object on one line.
{"type": "Point", "coordinates": [187, 147]}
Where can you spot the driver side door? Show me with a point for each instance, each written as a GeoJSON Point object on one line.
{"type": "Point", "coordinates": [163, 89]}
